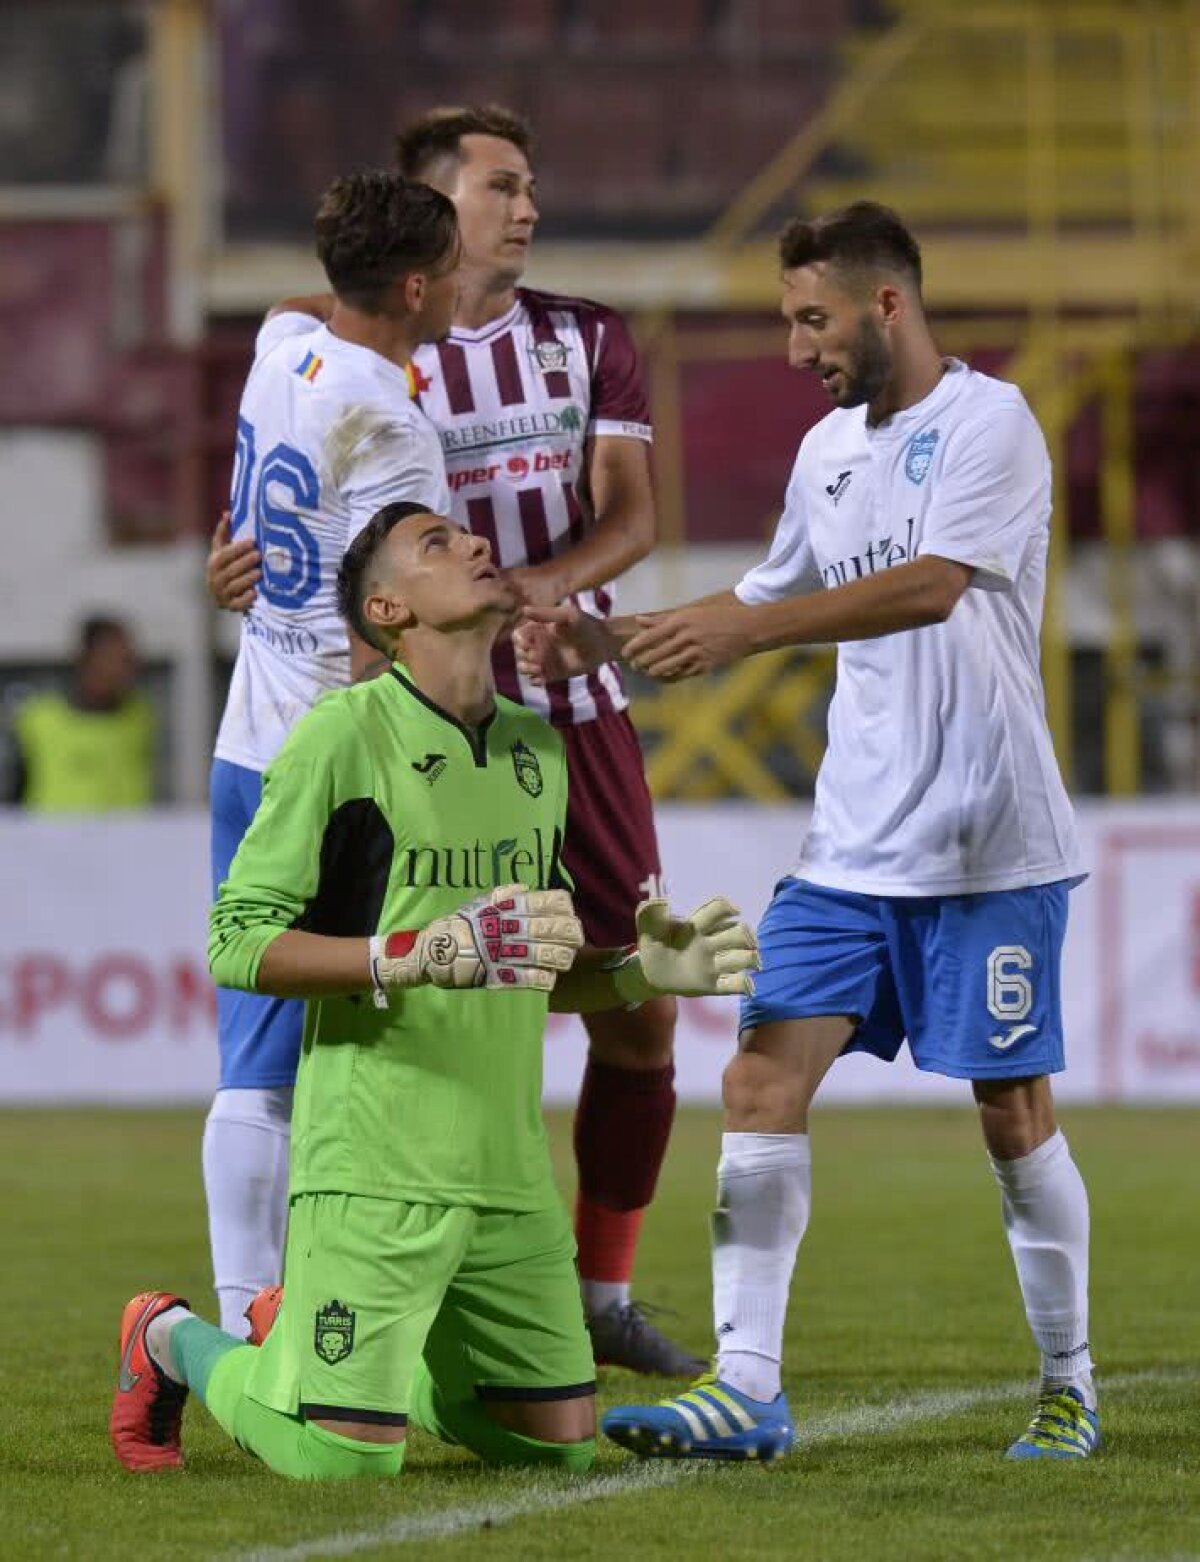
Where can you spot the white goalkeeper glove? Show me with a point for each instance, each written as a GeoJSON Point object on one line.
{"type": "Point", "coordinates": [512, 937]}
{"type": "Point", "coordinates": [710, 952]}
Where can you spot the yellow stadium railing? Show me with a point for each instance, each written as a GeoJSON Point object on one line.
{"type": "Point", "coordinates": [1078, 304]}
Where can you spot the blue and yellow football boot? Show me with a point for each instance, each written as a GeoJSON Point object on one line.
{"type": "Point", "coordinates": [1062, 1428]}
{"type": "Point", "coordinates": [710, 1420]}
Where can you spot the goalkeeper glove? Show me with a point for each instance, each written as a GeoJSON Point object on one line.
{"type": "Point", "coordinates": [512, 937]}
{"type": "Point", "coordinates": [711, 951]}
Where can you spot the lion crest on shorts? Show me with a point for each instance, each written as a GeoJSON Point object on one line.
{"type": "Point", "coordinates": [529, 772]}
{"type": "Point", "coordinates": [333, 1332]}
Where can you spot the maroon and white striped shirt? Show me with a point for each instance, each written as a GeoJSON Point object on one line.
{"type": "Point", "coordinates": [514, 404]}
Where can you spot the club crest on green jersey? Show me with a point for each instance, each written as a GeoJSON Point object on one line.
{"type": "Point", "coordinates": [333, 1332]}
{"type": "Point", "coordinates": [920, 455]}
{"type": "Point", "coordinates": [529, 772]}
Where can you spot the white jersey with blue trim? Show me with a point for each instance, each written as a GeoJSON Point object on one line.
{"type": "Point", "coordinates": [327, 434]}
{"type": "Point", "coordinates": [940, 777]}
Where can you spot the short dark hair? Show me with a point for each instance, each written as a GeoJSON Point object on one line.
{"type": "Point", "coordinates": [437, 135]}
{"type": "Point", "coordinates": [356, 561]}
{"type": "Point", "coordinates": [861, 237]}
{"type": "Point", "coordinates": [100, 626]}
{"type": "Point", "coordinates": [375, 226]}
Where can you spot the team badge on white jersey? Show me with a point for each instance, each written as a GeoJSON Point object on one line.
{"type": "Point", "coordinates": [920, 455]}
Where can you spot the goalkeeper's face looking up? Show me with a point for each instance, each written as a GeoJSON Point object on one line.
{"type": "Point", "coordinates": [409, 573]}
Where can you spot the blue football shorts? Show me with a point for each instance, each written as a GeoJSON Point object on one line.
{"type": "Point", "coordinates": [259, 1037]}
{"type": "Point", "coordinates": [972, 982]}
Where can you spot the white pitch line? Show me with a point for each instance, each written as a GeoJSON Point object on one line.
{"type": "Point", "coordinates": [866, 1421]}
{"type": "Point", "coordinates": [544, 1498]}
{"type": "Point", "coordinates": [873, 1420]}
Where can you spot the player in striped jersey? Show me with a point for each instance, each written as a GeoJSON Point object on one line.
{"type": "Point", "coordinates": [545, 427]}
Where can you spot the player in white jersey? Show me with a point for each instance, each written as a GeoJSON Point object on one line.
{"type": "Point", "coordinates": [929, 902]}
{"type": "Point", "coordinates": [328, 432]}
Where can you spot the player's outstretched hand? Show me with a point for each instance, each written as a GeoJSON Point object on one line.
{"type": "Point", "coordinates": [710, 952]}
{"type": "Point", "coordinates": [234, 569]}
{"type": "Point", "coordinates": [553, 643]}
{"type": "Point", "coordinates": [684, 642]}
{"type": "Point", "coordinates": [513, 937]}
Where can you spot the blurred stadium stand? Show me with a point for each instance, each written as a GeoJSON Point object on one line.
{"type": "Point", "coordinates": [162, 161]}
{"type": "Point", "coordinates": [703, 92]}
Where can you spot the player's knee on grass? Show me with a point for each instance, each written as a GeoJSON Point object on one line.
{"type": "Point", "coordinates": [499, 1444]}
{"type": "Point", "coordinates": [304, 1451]}
{"type": "Point", "coordinates": [545, 1420]}
{"type": "Point", "coordinates": [328, 1455]}
{"type": "Point", "coordinates": [473, 1425]}
{"type": "Point", "coordinates": [288, 1444]}
{"type": "Point", "coordinates": [558, 1432]}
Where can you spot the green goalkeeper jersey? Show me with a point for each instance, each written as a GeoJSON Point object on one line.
{"type": "Point", "coordinates": [380, 813]}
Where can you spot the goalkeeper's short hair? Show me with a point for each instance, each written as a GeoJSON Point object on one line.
{"type": "Point", "coordinates": [356, 564]}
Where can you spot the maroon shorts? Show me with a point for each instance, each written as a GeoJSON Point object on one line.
{"type": "Point", "coordinates": [610, 850]}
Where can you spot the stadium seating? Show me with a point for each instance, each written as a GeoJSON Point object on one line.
{"type": "Point", "coordinates": [703, 92]}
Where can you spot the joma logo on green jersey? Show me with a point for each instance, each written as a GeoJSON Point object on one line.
{"type": "Point", "coordinates": [480, 864]}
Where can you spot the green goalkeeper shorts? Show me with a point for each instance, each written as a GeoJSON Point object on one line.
{"type": "Point", "coordinates": [491, 1299]}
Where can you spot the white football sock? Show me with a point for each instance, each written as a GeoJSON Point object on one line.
{"type": "Point", "coordinates": [246, 1180]}
{"type": "Point", "coordinates": [600, 1295]}
{"type": "Point", "coordinates": [1046, 1217]}
{"type": "Point", "coordinates": [158, 1338]}
{"type": "Point", "coordinates": [764, 1189]}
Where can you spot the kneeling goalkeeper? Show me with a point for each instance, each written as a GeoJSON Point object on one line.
{"type": "Point", "coordinates": [402, 873]}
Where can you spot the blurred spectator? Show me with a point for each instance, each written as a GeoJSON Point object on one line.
{"type": "Point", "coordinates": [63, 71]}
{"type": "Point", "coordinates": [91, 749]}
{"type": "Point", "coordinates": [306, 86]}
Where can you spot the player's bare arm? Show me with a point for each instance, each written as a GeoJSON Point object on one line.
{"type": "Point", "coordinates": [553, 643]}
{"type": "Point", "coordinates": [234, 568]}
{"type": "Point", "coordinates": [684, 642]}
{"type": "Point", "coordinates": [625, 529]}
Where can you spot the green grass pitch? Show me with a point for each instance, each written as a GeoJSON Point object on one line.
{"type": "Point", "coordinates": [908, 1366]}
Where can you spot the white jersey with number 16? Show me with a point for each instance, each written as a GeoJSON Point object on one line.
{"type": "Point", "coordinates": [328, 432]}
